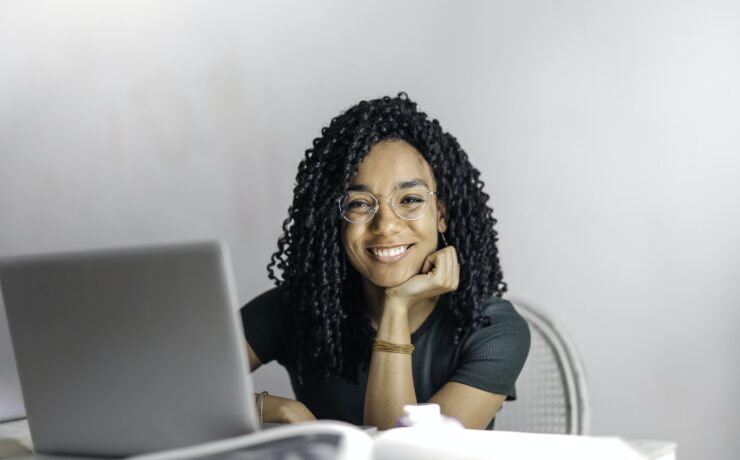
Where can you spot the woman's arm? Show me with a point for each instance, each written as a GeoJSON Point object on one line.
{"type": "Point", "coordinates": [254, 360]}
{"type": "Point", "coordinates": [274, 408]}
{"type": "Point", "coordinates": [473, 407]}
{"type": "Point", "coordinates": [390, 383]}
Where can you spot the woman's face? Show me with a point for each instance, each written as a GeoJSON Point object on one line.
{"type": "Point", "coordinates": [389, 250]}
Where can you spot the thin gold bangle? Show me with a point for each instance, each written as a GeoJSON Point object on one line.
{"type": "Point", "coordinates": [389, 347]}
{"type": "Point", "coordinates": [261, 403]}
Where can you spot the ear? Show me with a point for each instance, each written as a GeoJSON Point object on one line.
{"type": "Point", "coordinates": [441, 216]}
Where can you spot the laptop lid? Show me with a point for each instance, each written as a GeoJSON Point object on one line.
{"type": "Point", "coordinates": [11, 400]}
{"type": "Point", "coordinates": [128, 351]}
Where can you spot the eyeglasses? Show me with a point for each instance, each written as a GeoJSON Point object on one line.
{"type": "Point", "coordinates": [407, 203]}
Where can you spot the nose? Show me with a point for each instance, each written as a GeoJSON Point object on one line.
{"type": "Point", "coordinates": [385, 221]}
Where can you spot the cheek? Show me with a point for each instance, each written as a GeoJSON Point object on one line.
{"type": "Point", "coordinates": [350, 243]}
{"type": "Point", "coordinates": [427, 231]}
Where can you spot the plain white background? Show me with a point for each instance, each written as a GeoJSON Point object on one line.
{"type": "Point", "coordinates": [607, 134]}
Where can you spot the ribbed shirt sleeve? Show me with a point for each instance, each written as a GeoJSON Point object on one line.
{"type": "Point", "coordinates": [493, 356]}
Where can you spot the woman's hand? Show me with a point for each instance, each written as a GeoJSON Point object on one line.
{"type": "Point", "coordinates": [390, 383]}
{"type": "Point", "coordinates": [283, 410]}
{"type": "Point", "coordinates": [439, 275]}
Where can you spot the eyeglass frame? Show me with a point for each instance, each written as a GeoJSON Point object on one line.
{"type": "Point", "coordinates": [377, 207]}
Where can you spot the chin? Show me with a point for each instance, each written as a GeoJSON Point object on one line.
{"type": "Point", "coordinates": [390, 281]}
{"type": "Point", "coordinates": [387, 284]}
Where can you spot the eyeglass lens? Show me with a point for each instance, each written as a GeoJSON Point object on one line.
{"type": "Point", "coordinates": [407, 203]}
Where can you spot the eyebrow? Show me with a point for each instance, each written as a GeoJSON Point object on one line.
{"type": "Point", "coordinates": [401, 185]}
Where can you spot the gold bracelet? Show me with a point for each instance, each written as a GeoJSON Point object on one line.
{"type": "Point", "coordinates": [261, 403]}
{"type": "Point", "coordinates": [382, 345]}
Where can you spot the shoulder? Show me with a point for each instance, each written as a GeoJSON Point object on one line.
{"type": "Point", "coordinates": [270, 307]}
{"type": "Point", "coordinates": [506, 327]}
{"type": "Point", "coordinates": [502, 313]}
{"type": "Point", "coordinates": [272, 298]}
{"type": "Point", "coordinates": [493, 355]}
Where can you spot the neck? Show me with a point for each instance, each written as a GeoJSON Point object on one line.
{"type": "Point", "coordinates": [374, 302]}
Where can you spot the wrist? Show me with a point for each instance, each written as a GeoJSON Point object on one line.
{"type": "Point", "coordinates": [260, 403]}
{"type": "Point", "coordinates": [395, 306]}
{"type": "Point", "coordinates": [394, 323]}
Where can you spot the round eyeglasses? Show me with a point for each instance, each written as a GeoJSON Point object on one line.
{"type": "Point", "coordinates": [360, 207]}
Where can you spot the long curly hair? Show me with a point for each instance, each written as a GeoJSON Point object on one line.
{"type": "Point", "coordinates": [333, 330]}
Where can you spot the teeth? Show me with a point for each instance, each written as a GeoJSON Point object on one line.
{"type": "Point", "coordinates": [389, 252]}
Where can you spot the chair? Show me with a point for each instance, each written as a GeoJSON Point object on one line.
{"type": "Point", "coordinates": [552, 396]}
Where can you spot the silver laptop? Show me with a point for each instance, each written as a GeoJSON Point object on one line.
{"type": "Point", "coordinates": [128, 351]}
{"type": "Point", "coordinates": [11, 401]}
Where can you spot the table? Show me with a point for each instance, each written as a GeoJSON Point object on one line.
{"type": "Point", "coordinates": [16, 444]}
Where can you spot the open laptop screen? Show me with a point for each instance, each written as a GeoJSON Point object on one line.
{"type": "Point", "coordinates": [11, 400]}
{"type": "Point", "coordinates": [128, 351]}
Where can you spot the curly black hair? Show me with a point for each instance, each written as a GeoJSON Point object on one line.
{"type": "Point", "coordinates": [334, 332]}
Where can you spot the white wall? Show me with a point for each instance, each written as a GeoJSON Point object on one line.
{"type": "Point", "coordinates": [607, 133]}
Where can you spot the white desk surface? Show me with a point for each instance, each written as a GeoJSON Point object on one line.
{"type": "Point", "coordinates": [16, 444]}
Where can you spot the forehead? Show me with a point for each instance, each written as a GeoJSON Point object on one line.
{"type": "Point", "coordinates": [391, 162]}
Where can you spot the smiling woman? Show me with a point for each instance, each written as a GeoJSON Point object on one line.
{"type": "Point", "coordinates": [391, 285]}
{"type": "Point", "coordinates": [389, 244]}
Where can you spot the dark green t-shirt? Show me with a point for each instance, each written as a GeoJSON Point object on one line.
{"type": "Point", "coordinates": [489, 358]}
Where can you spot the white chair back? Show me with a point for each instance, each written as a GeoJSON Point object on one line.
{"type": "Point", "coordinates": [552, 394]}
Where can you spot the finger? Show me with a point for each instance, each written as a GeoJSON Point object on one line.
{"type": "Point", "coordinates": [455, 269]}
{"type": "Point", "coordinates": [431, 262]}
{"type": "Point", "coordinates": [455, 276]}
{"type": "Point", "coordinates": [427, 266]}
{"type": "Point", "coordinates": [453, 253]}
{"type": "Point", "coordinates": [450, 268]}
{"type": "Point", "coordinates": [443, 271]}
{"type": "Point", "coordinates": [442, 275]}
{"type": "Point", "coordinates": [445, 279]}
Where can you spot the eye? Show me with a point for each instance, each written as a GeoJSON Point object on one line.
{"type": "Point", "coordinates": [411, 199]}
{"type": "Point", "coordinates": [358, 204]}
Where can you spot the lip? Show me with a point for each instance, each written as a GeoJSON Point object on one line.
{"type": "Point", "coordinates": [389, 259]}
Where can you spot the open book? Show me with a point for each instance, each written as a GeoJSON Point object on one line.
{"type": "Point", "coordinates": [324, 440]}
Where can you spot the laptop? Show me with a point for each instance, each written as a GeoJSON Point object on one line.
{"type": "Point", "coordinates": [128, 351]}
{"type": "Point", "coordinates": [11, 400]}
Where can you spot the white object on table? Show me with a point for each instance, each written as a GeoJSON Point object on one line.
{"type": "Point", "coordinates": [656, 450]}
{"type": "Point", "coordinates": [434, 443]}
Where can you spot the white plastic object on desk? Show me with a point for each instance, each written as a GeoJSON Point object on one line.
{"type": "Point", "coordinates": [419, 443]}
{"type": "Point", "coordinates": [426, 415]}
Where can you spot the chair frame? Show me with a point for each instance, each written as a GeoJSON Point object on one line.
{"type": "Point", "coordinates": [569, 363]}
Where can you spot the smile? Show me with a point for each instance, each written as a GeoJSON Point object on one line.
{"type": "Point", "coordinates": [389, 254]}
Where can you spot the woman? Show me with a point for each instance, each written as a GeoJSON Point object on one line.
{"type": "Point", "coordinates": [391, 284]}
